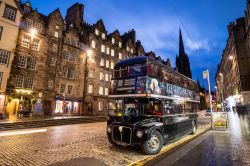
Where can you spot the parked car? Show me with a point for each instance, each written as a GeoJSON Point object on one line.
{"type": "Point", "coordinates": [208, 112]}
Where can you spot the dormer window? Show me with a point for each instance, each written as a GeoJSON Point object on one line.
{"type": "Point", "coordinates": [120, 44]}
{"type": "Point", "coordinates": [103, 36]}
{"type": "Point", "coordinates": [113, 40]}
{"type": "Point", "coordinates": [97, 32]}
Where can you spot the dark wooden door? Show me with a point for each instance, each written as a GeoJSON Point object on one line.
{"type": "Point", "coordinates": [47, 108]}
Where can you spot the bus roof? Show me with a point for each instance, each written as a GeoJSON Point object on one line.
{"type": "Point", "coordinates": [142, 59]}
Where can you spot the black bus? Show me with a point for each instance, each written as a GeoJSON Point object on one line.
{"type": "Point", "coordinates": [150, 104]}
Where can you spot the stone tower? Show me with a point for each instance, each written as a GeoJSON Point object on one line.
{"type": "Point", "coordinates": [74, 15]}
{"type": "Point", "coordinates": [182, 60]}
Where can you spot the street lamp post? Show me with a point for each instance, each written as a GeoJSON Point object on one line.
{"type": "Point", "coordinates": [88, 54]}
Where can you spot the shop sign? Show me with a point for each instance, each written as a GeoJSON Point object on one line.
{"type": "Point", "coordinates": [220, 120]}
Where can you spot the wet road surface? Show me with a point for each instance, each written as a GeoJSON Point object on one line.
{"type": "Point", "coordinates": [83, 144]}
{"type": "Point", "coordinates": [215, 148]}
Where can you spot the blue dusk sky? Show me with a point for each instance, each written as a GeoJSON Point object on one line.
{"type": "Point", "coordinates": [156, 22]}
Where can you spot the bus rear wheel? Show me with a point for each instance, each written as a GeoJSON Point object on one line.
{"type": "Point", "coordinates": [154, 144]}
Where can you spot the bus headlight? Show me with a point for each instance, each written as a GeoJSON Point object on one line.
{"type": "Point", "coordinates": [139, 134]}
{"type": "Point", "coordinates": [109, 130]}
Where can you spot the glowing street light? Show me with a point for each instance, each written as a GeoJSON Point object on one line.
{"type": "Point", "coordinates": [33, 31]}
{"type": "Point", "coordinates": [231, 57]}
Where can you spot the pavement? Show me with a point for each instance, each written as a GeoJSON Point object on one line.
{"type": "Point", "coordinates": [81, 144]}
{"type": "Point", "coordinates": [214, 148]}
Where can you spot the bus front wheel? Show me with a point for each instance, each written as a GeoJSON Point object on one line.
{"type": "Point", "coordinates": [154, 144]}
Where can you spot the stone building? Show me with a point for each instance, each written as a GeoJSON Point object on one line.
{"type": "Point", "coordinates": [233, 72]}
{"type": "Point", "coordinates": [47, 68]}
{"type": "Point", "coordinates": [9, 22]}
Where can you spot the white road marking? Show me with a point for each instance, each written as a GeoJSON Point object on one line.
{"type": "Point", "coordinates": [9, 133]}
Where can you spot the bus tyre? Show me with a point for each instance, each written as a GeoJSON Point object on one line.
{"type": "Point", "coordinates": [154, 144]}
{"type": "Point", "coordinates": [194, 127]}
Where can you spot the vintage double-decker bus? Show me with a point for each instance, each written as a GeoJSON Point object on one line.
{"type": "Point", "coordinates": [150, 104]}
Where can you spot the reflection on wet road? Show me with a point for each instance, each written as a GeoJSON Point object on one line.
{"type": "Point", "coordinates": [231, 147]}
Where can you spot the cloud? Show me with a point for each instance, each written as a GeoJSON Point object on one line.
{"type": "Point", "coordinates": [202, 44]}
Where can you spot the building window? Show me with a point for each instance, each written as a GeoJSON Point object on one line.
{"type": "Point", "coordinates": [71, 74]}
{"type": "Point", "coordinates": [29, 23]}
{"type": "Point", "coordinates": [65, 72]}
{"type": "Point", "coordinates": [128, 48]}
{"type": "Point", "coordinates": [101, 76]}
{"type": "Point", "coordinates": [132, 51]}
{"type": "Point", "coordinates": [65, 55]}
{"type": "Point", "coordinates": [62, 88]}
{"type": "Point", "coordinates": [10, 12]}
{"type": "Point", "coordinates": [38, 27]}
{"type": "Point", "coordinates": [107, 64]}
{"type": "Point", "coordinates": [102, 62]}
{"type": "Point", "coordinates": [101, 90]}
{"type": "Point", "coordinates": [70, 89]}
{"type": "Point", "coordinates": [35, 44]}
{"type": "Point", "coordinates": [106, 77]}
{"type": "Point", "coordinates": [112, 65]}
{"type": "Point", "coordinates": [1, 77]}
{"type": "Point", "coordinates": [19, 81]}
{"type": "Point", "coordinates": [103, 36]}
{"type": "Point", "coordinates": [53, 61]}
{"type": "Point", "coordinates": [102, 48]}
{"type": "Point", "coordinates": [32, 63]}
{"type": "Point", "coordinates": [4, 56]}
{"type": "Point", "coordinates": [110, 77]}
{"type": "Point", "coordinates": [54, 48]}
{"type": "Point", "coordinates": [73, 56]}
{"type": "Point", "coordinates": [97, 32]}
{"type": "Point", "coordinates": [50, 84]}
{"type": "Point", "coordinates": [90, 89]}
{"type": "Point", "coordinates": [106, 91]}
{"type": "Point", "coordinates": [22, 61]}
{"type": "Point", "coordinates": [1, 32]}
{"type": "Point", "coordinates": [56, 34]}
{"type": "Point", "coordinates": [26, 41]}
{"type": "Point", "coordinates": [120, 44]}
{"type": "Point", "coordinates": [93, 44]}
{"type": "Point", "coordinates": [113, 41]}
{"type": "Point", "coordinates": [120, 55]}
{"type": "Point", "coordinates": [100, 106]}
{"type": "Point", "coordinates": [112, 52]}
{"type": "Point", "coordinates": [91, 73]}
{"type": "Point", "coordinates": [28, 83]}
{"type": "Point", "coordinates": [108, 50]}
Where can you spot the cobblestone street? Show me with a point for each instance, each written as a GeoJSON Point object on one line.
{"type": "Point", "coordinates": [86, 142]}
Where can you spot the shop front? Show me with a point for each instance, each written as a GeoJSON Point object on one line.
{"type": "Point", "coordinates": [68, 106]}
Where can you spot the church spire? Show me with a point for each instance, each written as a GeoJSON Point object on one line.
{"type": "Point", "coordinates": [182, 60]}
{"type": "Point", "coordinates": [181, 45]}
